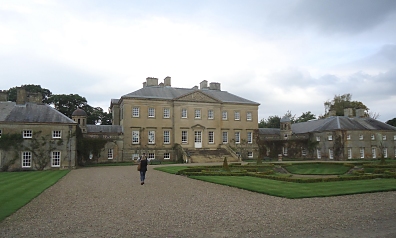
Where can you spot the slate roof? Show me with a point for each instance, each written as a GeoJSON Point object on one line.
{"type": "Point", "coordinates": [170, 93]}
{"type": "Point", "coordinates": [332, 124]}
{"type": "Point", "coordinates": [31, 113]}
{"type": "Point", "coordinates": [104, 129]}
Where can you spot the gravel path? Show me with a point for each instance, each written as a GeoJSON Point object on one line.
{"type": "Point", "coordinates": [110, 202]}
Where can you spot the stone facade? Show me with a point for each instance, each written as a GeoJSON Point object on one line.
{"type": "Point", "coordinates": [157, 117]}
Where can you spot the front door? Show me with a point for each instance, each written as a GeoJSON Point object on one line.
{"type": "Point", "coordinates": [198, 139]}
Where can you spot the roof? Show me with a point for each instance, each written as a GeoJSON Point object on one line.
{"type": "Point", "coordinates": [31, 113]}
{"type": "Point", "coordinates": [333, 123]}
{"type": "Point", "coordinates": [104, 129]}
{"type": "Point", "coordinates": [285, 119]}
{"type": "Point", "coordinates": [170, 93]}
{"type": "Point", "coordinates": [79, 112]}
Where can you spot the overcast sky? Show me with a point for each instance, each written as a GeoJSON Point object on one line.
{"type": "Point", "coordinates": [284, 54]}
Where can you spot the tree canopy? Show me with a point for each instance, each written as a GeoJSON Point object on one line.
{"type": "Point", "coordinates": [391, 122]}
{"type": "Point", "coordinates": [341, 102]}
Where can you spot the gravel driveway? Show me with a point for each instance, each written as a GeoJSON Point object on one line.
{"type": "Point", "coordinates": [110, 202]}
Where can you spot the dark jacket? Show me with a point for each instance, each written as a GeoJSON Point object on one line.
{"type": "Point", "coordinates": [143, 165]}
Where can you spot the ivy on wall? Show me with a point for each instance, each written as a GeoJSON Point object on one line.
{"type": "Point", "coordinates": [87, 147]}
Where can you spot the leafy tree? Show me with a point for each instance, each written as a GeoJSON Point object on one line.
{"type": "Point", "coordinates": [341, 102]}
{"type": "Point", "coordinates": [96, 115]}
{"type": "Point", "coordinates": [306, 116]}
{"type": "Point", "coordinates": [46, 94]}
{"type": "Point", "coordinates": [291, 116]}
{"type": "Point", "coordinates": [391, 122]}
{"type": "Point", "coordinates": [66, 104]}
{"type": "Point", "coordinates": [270, 122]}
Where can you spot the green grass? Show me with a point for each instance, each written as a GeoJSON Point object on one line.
{"type": "Point", "coordinates": [111, 164]}
{"type": "Point", "coordinates": [171, 169]}
{"type": "Point", "coordinates": [317, 168]}
{"type": "Point", "coordinates": [302, 190]}
{"type": "Point", "coordinates": [19, 188]}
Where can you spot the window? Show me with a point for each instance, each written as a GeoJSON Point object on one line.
{"type": "Point", "coordinates": [385, 152]}
{"type": "Point", "coordinates": [55, 159]}
{"type": "Point", "coordinates": [135, 112]}
{"type": "Point", "coordinates": [248, 116]}
{"type": "Point", "coordinates": [362, 153]}
{"type": "Point", "coordinates": [372, 137]}
{"type": "Point", "coordinates": [27, 134]}
{"type": "Point", "coordinates": [331, 154]}
{"type": "Point", "coordinates": [384, 137]}
{"type": "Point", "coordinates": [210, 114]}
{"type": "Point", "coordinates": [135, 137]}
{"type": "Point", "coordinates": [110, 154]}
{"type": "Point", "coordinates": [349, 153]}
{"type": "Point", "coordinates": [237, 116]}
{"type": "Point", "coordinates": [184, 113]}
{"type": "Point", "coordinates": [348, 137]}
{"type": "Point", "coordinates": [26, 159]}
{"type": "Point", "coordinates": [56, 134]}
{"type": "Point", "coordinates": [237, 137]}
{"type": "Point", "coordinates": [303, 151]}
{"type": "Point", "coordinates": [318, 138]}
{"type": "Point", "coordinates": [135, 156]}
{"type": "Point", "coordinates": [166, 137]}
{"type": "Point", "coordinates": [151, 112]}
{"type": "Point", "coordinates": [318, 154]}
{"type": "Point", "coordinates": [249, 137]}
{"type": "Point", "coordinates": [151, 137]}
{"type": "Point", "coordinates": [211, 137]}
{"type": "Point", "coordinates": [224, 115]}
{"type": "Point", "coordinates": [329, 137]}
{"type": "Point", "coordinates": [166, 113]}
{"type": "Point", "coordinates": [166, 155]}
{"type": "Point", "coordinates": [284, 150]}
{"type": "Point", "coordinates": [151, 156]}
{"type": "Point", "coordinates": [197, 113]}
{"type": "Point", "coordinates": [250, 154]}
{"type": "Point", "coordinates": [0, 133]}
{"type": "Point", "coordinates": [225, 137]}
{"type": "Point", "coordinates": [360, 137]}
{"type": "Point", "coordinates": [184, 137]}
{"type": "Point", "coordinates": [374, 152]}
{"type": "Point", "coordinates": [394, 137]}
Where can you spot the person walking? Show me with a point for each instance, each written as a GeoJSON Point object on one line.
{"type": "Point", "coordinates": [143, 168]}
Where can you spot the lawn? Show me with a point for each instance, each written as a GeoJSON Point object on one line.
{"type": "Point", "coordinates": [302, 190]}
{"type": "Point", "coordinates": [171, 169]}
{"type": "Point", "coordinates": [19, 188]}
{"type": "Point", "coordinates": [317, 168]}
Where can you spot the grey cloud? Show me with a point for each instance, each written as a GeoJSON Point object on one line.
{"type": "Point", "coordinates": [352, 16]}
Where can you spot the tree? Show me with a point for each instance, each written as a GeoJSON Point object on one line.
{"type": "Point", "coordinates": [66, 104]}
{"type": "Point", "coordinates": [46, 94]}
{"type": "Point", "coordinates": [270, 122]}
{"type": "Point", "coordinates": [341, 102]}
{"type": "Point", "coordinates": [96, 115]}
{"type": "Point", "coordinates": [391, 122]}
{"type": "Point", "coordinates": [306, 116]}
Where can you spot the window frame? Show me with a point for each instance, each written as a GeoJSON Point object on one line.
{"type": "Point", "coordinates": [210, 114]}
{"type": "Point", "coordinates": [166, 157]}
{"type": "Point", "coordinates": [383, 137]}
{"type": "Point", "coordinates": [197, 114]}
{"type": "Point", "coordinates": [150, 156]}
{"type": "Point", "coordinates": [372, 137]}
{"type": "Point", "coordinates": [26, 159]}
{"type": "Point", "coordinates": [27, 134]}
{"type": "Point", "coordinates": [237, 115]}
{"type": "Point", "coordinates": [211, 137]}
{"type": "Point", "coordinates": [224, 135]}
{"type": "Point", "coordinates": [250, 154]}
{"type": "Point", "coordinates": [317, 138]}
{"type": "Point", "coordinates": [318, 154]}
{"type": "Point", "coordinates": [361, 152]}
{"type": "Point", "coordinates": [385, 152]}
{"type": "Point", "coordinates": [55, 159]}
{"type": "Point", "coordinates": [249, 137]}
{"type": "Point", "coordinates": [184, 113]}
{"type": "Point", "coordinates": [149, 135]}
{"type": "Point", "coordinates": [349, 153]}
{"type": "Point", "coordinates": [237, 137]}
{"type": "Point", "coordinates": [135, 112]}
{"type": "Point", "coordinates": [184, 137]}
{"type": "Point", "coordinates": [110, 153]}
{"type": "Point", "coordinates": [331, 153]}
{"type": "Point", "coordinates": [151, 112]}
{"type": "Point", "coordinates": [224, 115]}
{"type": "Point", "coordinates": [166, 112]}
{"type": "Point", "coordinates": [166, 137]}
{"type": "Point", "coordinates": [135, 135]}
{"type": "Point", "coordinates": [249, 116]}
{"type": "Point", "coordinates": [349, 137]}
{"type": "Point", "coordinates": [373, 152]}
{"type": "Point", "coordinates": [1, 132]}
{"type": "Point", "coordinates": [329, 137]}
{"type": "Point", "coordinates": [56, 134]}
{"type": "Point", "coordinates": [361, 137]}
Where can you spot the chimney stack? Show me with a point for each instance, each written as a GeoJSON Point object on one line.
{"type": "Point", "coordinates": [35, 98]}
{"type": "Point", "coordinates": [3, 96]}
{"type": "Point", "coordinates": [348, 112]}
{"type": "Point", "coordinates": [214, 86]}
{"type": "Point", "coordinates": [203, 85]}
{"type": "Point", "coordinates": [151, 82]}
{"type": "Point", "coordinates": [167, 81]}
{"type": "Point", "coordinates": [360, 113]}
{"type": "Point", "coordinates": [21, 95]}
